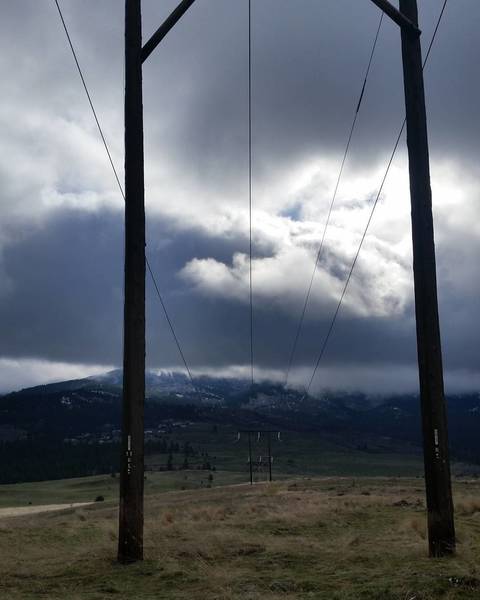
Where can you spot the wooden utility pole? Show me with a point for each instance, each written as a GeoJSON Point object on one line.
{"type": "Point", "coordinates": [130, 538]}
{"type": "Point", "coordinates": [437, 468]}
{"type": "Point", "coordinates": [441, 529]}
{"type": "Point", "coordinates": [130, 534]}
{"type": "Point", "coordinates": [269, 456]}
{"type": "Point", "coordinates": [250, 457]}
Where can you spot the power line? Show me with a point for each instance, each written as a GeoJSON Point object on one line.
{"type": "Point", "coordinates": [117, 179]}
{"type": "Point", "coordinates": [337, 310]}
{"type": "Point", "coordinates": [170, 324]}
{"type": "Point", "coordinates": [250, 182]}
{"type": "Point", "coordinates": [89, 99]}
{"type": "Point", "coordinates": [319, 253]}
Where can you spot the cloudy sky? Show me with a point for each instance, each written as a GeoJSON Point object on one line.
{"type": "Point", "coordinates": [61, 226]}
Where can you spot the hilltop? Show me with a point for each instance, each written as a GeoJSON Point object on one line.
{"type": "Point", "coordinates": [72, 428]}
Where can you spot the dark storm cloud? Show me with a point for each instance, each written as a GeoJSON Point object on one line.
{"type": "Point", "coordinates": [65, 295]}
{"type": "Point", "coordinates": [65, 303]}
{"type": "Point", "coordinates": [308, 66]}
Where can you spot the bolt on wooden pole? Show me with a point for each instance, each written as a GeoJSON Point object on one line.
{"type": "Point", "coordinates": [441, 529]}
{"type": "Point", "coordinates": [130, 539]}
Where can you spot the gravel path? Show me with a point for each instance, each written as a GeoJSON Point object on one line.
{"type": "Point", "coordinates": [19, 511]}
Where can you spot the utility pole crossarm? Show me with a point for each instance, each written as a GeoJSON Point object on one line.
{"type": "Point", "coordinates": [397, 16]}
{"type": "Point", "coordinates": [165, 27]}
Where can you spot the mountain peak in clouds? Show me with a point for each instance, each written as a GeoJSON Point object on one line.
{"type": "Point", "coordinates": [152, 378]}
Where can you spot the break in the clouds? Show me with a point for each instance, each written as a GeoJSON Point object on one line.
{"type": "Point", "coordinates": [61, 244]}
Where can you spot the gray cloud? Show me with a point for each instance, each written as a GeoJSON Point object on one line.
{"type": "Point", "coordinates": [61, 231]}
{"type": "Point", "coordinates": [65, 304]}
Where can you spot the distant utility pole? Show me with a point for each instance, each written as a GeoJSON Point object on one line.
{"type": "Point", "coordinates": [250, 456]}
{"type": "Point", "coordinates": [441, 529]}
{"type": "Point", "coordinates": [259, 433]}
{"type": "Point", "coordinates": [269, 456]}
{"type": "Point", "coordinates": [130, 537]}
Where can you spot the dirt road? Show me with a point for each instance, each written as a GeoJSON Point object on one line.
{"type": "Point", "coordinates": [20, 511]}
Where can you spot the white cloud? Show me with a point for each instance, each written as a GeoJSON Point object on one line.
{"type": "Point", "coordinates": [20, 373]}
{"type": "Point", "coordinates": [381, 284]}
{"type": "Point", "coordinates": [384, 379]}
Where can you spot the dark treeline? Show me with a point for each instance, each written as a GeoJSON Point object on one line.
{"type": "Point", "coordinates": [44, 422]}
{"type": "Point", "coordinates": [42, 458]}
{"type": "Point", "coordinates": [39, 459]}
{"type": "Point", "coordinates": [84, 411]}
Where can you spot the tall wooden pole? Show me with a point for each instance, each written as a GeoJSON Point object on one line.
{"type": "Point", "coordinates": [441, 529]}
{"type": "Point", "coordinates": [269, 457]}
{"type": "Point", "coordinates": [130, 539]}
{"type": "Point", "coordinates": [250, 457]}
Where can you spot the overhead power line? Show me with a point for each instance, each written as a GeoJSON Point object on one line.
{"type": "Point", "coordinates": [337, 310]}
{"type": "Point", "coordinates": [120, 187]}
{"type": "Point", "coordinates": [250, 183]}
{"type": "Point", "coordinates": [332, 203]}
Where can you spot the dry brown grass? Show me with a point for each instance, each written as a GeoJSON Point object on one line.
{"type": "Point", "coordinates": [468, 506]}
{"type": "Point", "coordinates": [320, 539]}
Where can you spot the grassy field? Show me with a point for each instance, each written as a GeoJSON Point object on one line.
{"type": "Point", "coordinates": [87, 489]}
{"type": "Point", "coordinates": [322, 538]}
{"type": "Point", "coordinates": [305, 454]}
{"type": "Point", "coordinates": [297, 453]}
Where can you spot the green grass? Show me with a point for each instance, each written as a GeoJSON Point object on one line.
{"type": "Point", "coordinates": [86, 489]}
{"type": "Point", "coordinates": [336, 533]}
{"type": "Point", "coordinates": [322, 538]}
{"type": "Point", "coordinates": [305, 453]}
{"type": "Point", "coordinates": [296, 454]}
